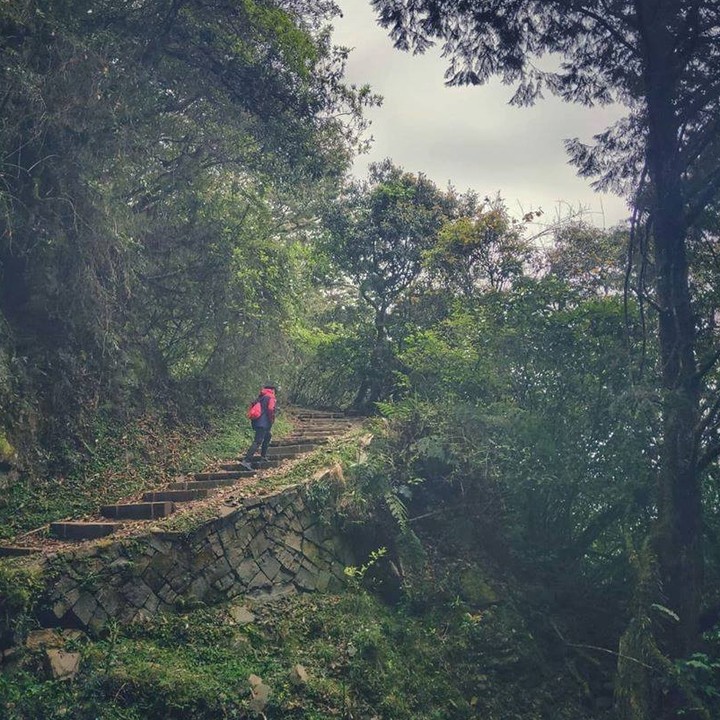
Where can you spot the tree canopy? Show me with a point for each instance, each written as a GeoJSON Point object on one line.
{"type": "Point", "coordinates": [659, 59]}
{"type": "Point", "coordinates": [378, 234]}
{"type": "Point", "coordinates": [151, 154]}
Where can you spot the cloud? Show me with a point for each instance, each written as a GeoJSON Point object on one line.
{"type": "Point", "coordinates": [470, 136]}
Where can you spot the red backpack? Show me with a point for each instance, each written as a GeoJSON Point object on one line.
{"type": "Point", "coordinates": [254, 411]}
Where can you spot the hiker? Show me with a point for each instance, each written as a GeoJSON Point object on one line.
{"type": "Point", "coordinates": [262, 417]}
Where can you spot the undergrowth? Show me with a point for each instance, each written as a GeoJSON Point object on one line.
{"type": "Point", "coordinates": [363, 660]}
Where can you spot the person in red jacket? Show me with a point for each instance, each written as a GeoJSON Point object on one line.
{"type": "Point", "coordinates": [262, 425]}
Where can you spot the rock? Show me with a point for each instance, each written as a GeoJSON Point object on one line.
{"type": "Point", "coordinates": [269, 565]}
{"type": "Point", "coordinates": [136, 592]}
{"type": "Point", "coordinates": [476, 589]}
{"type": "Point", "coordinates": [43, 638]}
{"type": "Point", "coordinates": [260, 693]}
{"type": "Point", "coordinates": [334, 472]}
{"type": "Point", "coordinates": [9, 654]}
{"type": "Point", "coordinates": [246, 571]}
{"type": "Point", "coordinates": [298, 675]}
{"type": "Point", "coordinates": [122, 564]}
{"type": "Point", "coordinates": [59, 609]}
{"type": "Point", "coordinates": [240, 643]}
{"type": "Point", "coordinates": [51, 638]}
{"type": "Point", "coordinates": [63, 665]}
{"type": "Point", "coordinates": [294, 541]}
{"type": "Point", "coordinates": [241, 615]}
{"type": "Point", "coordinates": [84, 608]}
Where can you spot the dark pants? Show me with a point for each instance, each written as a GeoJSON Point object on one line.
{"type": "Point", "coordinates": [262, 440]}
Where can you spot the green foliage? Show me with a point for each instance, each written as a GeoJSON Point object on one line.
{"type": "Point", "coordinates": [664, 156]}
{"type": "Point", "coordinates": [356, 574]}
{"type": "Point", "coordinates": [377, 235]}
{"type": "Point", "coordinates": [362, 659]}
{"type": "Point", "coordinates": [589, 259]}
{"type": "Point", "coordinates": [19, 586]}
{"type": "Point", "coordinates": [333, 363]}
{"type": "Point", "coordinates": [701, 673]}
{"type": "Point", "coordinates": [162, 166]}
{"type": "Point", "coordinates": [523, 422]}
{"type": "Point", "coordinates": [485, 249]}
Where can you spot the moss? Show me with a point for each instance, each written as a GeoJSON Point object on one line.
{"type": "Point", "coordinates": [8, 454]}
{"type": "Point", "coordinates": [21, 581]}
{"type": "Point", "coordinates": [476, 589]}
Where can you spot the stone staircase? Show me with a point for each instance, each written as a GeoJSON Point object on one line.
{"type": "Point", "coordinates": [311, 429]}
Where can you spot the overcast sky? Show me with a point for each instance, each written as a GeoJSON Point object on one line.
{"type": "Point", "coordinates": [470, 136]}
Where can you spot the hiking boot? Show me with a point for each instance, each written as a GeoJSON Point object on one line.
{"type": "Point", "coordinates": [245, 464]}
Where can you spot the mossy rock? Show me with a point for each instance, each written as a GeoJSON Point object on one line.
{"type": "Point", "coordinates": [8, 454]}
{"type": "Point", "coordinates": [476, 590]}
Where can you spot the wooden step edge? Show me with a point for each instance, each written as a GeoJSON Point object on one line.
{"type": "Point", "coordinates": [223, 475]}
{"type": "Point", "coordinates": [201, 484]}
{"type": "Point", "coordinates": [138, 511]}
{"type": "Point", "coordinates": [177, 495]}
{"type": "Point", "coordinates": [17, 551]}
{"type": "Point", "coordinates": [83, 530]}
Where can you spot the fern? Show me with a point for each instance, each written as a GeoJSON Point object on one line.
{"type": "Point", "coordinates": [397, 509]}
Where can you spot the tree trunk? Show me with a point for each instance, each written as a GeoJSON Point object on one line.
{"type": "Point", "coordinates": [371, 387]}
{"type": "Point", "coordinates": [678, 529]}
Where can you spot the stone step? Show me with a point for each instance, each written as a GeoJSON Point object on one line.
{"type": "Point", "coordinates": [78, 530]}
{"type": "Point", "coordinates": [256, 464]}
{"type": "Point", "coordinates": [294, 447]}
{"type": "Point", "coordinates": [321, 430]}
{"type": "Point", "coordinates": [264, 464]}
{"type": "Point", "coordinates": [319, 415]}
{"type": "Point", "coordinates": [179, 495]}
{"type": "Point", "coordinates": [297, 440]}
{"type": "Point", "coordinates": [231, 469]}
{"type": "Point", "coordinates": [138, 511]}
{"type": "Point", "coordinates": [290, 451]}
{"type": "Point", "coordinates": [275, 454]}
{"type": "Point", "coordinates": [323, 421]}
{"type": "Point", "coordinates": [203, 484]}
{"type": "Point", "coordinates": [223, 475]}
{"type": "Point", "coordinates": [314, 434]}
{"type": "Point", "coordinates": [16, 551]}
{"type": "Point", "coordinates": [317, 428]}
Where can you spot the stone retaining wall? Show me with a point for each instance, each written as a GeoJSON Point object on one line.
{"type": "Point", "coordinates": [270, 545]}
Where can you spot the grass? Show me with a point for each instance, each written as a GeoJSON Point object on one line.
{"type": "Point", "coordinates": [342, 451]}
{"type": "Point", "coordinates": [228, 439]}
{"type": "Point", "coordinates": [363, 659]}
{"type": "Point", "coordinates": [121, 462]}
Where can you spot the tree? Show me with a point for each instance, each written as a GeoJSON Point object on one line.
{"type": "Point", "coordinates": [588, 258]}
{"type": "Point", "coordinates": [484, 249]}
{"type": "Point", "coordinates": [124, 127]}
{"type": "Point", "coordinates": [660, 58]}
{"type": "Point", "coordinates": [377, 235]}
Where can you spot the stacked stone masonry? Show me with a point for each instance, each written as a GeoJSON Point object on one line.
{"type": "Point", "coordinates": [268, 546]}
